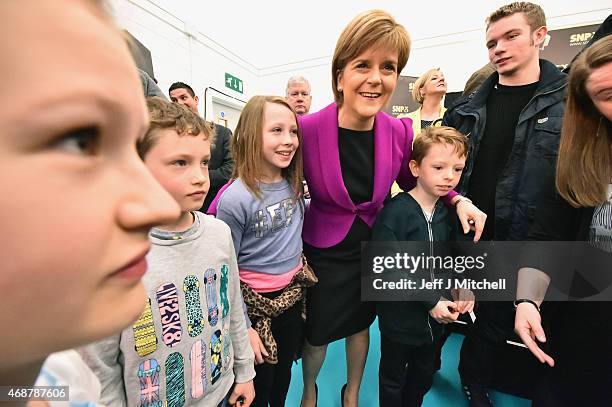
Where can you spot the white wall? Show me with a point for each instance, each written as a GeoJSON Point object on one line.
{"type": "Point", "coordinates": [182, 52]}
{"type": "Point", "coordinates": [458, 55]}
{"type": "Point", "coordinates": [179, 56]}
{"type": "Point", "coordinates": [318, 74]}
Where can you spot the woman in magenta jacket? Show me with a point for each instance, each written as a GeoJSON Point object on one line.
{"type": "Point", "coordinates": [352, 154]}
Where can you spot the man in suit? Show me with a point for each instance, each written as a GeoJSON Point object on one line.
{"type": "Point", "coordinates": [221, 163]}
{"type": "Point", "coordinates": [298, 95]}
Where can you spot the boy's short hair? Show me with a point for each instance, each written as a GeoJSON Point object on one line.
{"type": "Point", "coordinates": [438, 135]}
{"type": "Point", "coordinates": [166, 115]}
{"type": "Point", "coordinates": [533, 13]}
{"type": "Point", "coordinates": [182, 85]}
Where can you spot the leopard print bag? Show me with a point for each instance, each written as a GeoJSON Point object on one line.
{"type": "Point", "coordinates": [262, 309]}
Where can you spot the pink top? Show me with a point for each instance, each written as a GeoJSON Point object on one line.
{"type": "Point", "coordinates": [267, 283]}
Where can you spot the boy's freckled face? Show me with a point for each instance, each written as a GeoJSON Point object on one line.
{"type": "Point", "coordinates": [78, 202]}
{"type": "Point", "coordinates": [180, 164]}
{"type": "Point", "coordinates": [440, 170]}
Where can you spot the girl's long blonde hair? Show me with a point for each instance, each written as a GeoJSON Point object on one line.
{"type": "Point", "coordinates": [246, 147]}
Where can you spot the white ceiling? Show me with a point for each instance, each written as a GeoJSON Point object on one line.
{"type": "Point", "coordinates": [273, 33]}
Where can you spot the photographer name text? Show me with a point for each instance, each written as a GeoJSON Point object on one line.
{"type": "Point", "coordinates": [439, 284]}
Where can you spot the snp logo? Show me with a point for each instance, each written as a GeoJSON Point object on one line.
{"type": "Point", "coordinates": [580, 39]}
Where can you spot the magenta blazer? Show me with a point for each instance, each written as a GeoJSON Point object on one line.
{"type": "Point", "coordinates": [331, 212]}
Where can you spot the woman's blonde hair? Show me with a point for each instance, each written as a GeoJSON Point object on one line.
{"type": "Point", "coordinates": [584, 165]}
{"type": "Point", "coordinates": [374, 28]}
{"type": "Point", "coordinates": [419, 83]}
{"type": "Point", "coordinates": [246, 146]}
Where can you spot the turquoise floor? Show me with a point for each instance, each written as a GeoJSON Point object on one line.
{"type": "Point", "coordinates": [446, 390]}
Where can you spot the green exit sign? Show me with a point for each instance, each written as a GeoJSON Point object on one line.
{"type": "Point", "coordinates": [233, 83]}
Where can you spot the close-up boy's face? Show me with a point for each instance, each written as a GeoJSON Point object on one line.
{"type": "Point", "coordinates": [77, 201]}
{"type": "Point", "coordinates": [440, 170]}
{"type": "Point", "coordinates": [180, 164]}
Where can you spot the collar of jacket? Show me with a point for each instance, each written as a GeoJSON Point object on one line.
{"type": "Point", "coordinates": [438, 209]}
{"type": "Point", "coordinates": [551, 79]}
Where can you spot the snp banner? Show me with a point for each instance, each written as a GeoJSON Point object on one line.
{"type": "Point", "coordinates": [401, 101]}
{"type": "Point", "coordinates": [561, 46]}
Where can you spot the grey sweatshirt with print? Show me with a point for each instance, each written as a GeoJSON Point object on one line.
{"type": "Point", "coordinates": [190, 344]}
{"type": "Point", "coordinates": [267, 231]}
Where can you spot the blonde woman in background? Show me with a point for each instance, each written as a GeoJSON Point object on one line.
{"type": "Point", "coordinates": [428, 91]}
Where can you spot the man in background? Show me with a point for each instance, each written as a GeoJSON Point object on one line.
{"type": "Point", "coordinates": [298, 95]}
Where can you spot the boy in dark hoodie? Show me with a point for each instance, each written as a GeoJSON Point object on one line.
{"type": "Point", "coordinates": [410, 330]}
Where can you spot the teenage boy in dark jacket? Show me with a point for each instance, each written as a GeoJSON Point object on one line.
{"type": "Point", "coordinates": [513, 122]}
{"type": "Point", "coordinates": [411, 329]}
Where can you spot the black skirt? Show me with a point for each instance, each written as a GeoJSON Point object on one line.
{"type": "Point", "coordinates": [334, 309]}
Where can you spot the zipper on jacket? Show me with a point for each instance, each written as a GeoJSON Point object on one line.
{"type": "Point", "coordinates": [430, 233]}
{"type": "Point", "coordinates": [431, 274]}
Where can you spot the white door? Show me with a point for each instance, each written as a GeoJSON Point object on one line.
{"type": "Point", "coordinates": [225, 113]}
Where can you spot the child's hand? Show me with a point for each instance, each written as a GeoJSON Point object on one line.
{"type": "Point", "coordinates": [243, 394]}
{"type": "Point", "coordinates": [464, 299]}
{"type": "Point", "coordinates": [258, 347]}
{"type": "Point", "coordinates": [442, 314]}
